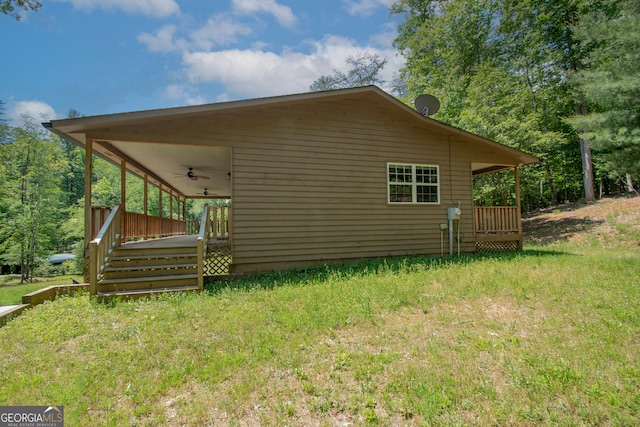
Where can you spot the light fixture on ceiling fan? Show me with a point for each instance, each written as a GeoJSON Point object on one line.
{"type": "Point", "coordinates": [206, 193]}
{"type": "Point", "coordinates": [194, 177]}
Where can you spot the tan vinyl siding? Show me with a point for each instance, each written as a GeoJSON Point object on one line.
{"type": "Point", "coordinates": [312, 187]}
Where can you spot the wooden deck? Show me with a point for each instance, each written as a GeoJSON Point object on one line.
{"type": "Point", "coordinates": [164, 242]}
{"type": "Point", "coordinates": [170, 261]}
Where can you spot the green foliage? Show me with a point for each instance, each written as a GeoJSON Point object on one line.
{"type": "Point", "coordinates": [32, 206]}
{"type": "Point", "coordinates": [610, 83]}
{"type": "Point", "coordinates": [501, 69]}
{"type": "Point", "coordinates": [8, 7]}
{"type": "Point", "coordinates": [365, 70]}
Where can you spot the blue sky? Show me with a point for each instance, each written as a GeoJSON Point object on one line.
{"type": "Point", "coordinates": [110, 56]}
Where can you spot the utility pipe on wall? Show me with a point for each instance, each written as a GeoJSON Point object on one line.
{"type": "Point", "coordinates": [453, 214]}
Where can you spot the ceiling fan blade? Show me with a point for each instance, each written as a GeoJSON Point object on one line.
{"type": "Point", "coordinates": [194, 177]}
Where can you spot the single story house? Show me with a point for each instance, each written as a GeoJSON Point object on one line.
{"type": "Point", "coordinates": [312, 178]}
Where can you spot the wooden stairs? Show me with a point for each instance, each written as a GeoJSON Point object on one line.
{"type": "Point", "coordinates": [136, 271]}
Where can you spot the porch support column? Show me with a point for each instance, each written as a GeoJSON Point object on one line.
{"type": "Point", "coordinates": [88, 212]}
{"type": "Point", "coordinates": [146, 206]}
{"type": "Point", "coordinates": [160, 223]}
{"type": "Point", "coordinates": [171, 211]}
{"type": "Point", "coordinates": [519, 210]}
{"type": "Point", "coordinates": [184, 209]}
{"type": "Point", "coordinates": [123, 199]}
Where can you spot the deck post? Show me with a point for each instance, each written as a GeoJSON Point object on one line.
{"type": "Point", "coordinates": [123, 197]}
{"type": "Point", "coordinates": [184, 209]}
{"type": "Point", "coordinates": [171, 204]}
{"type": "Point", "coordinates": [201, 255]}
{"type": "Point", "coordinates": [160, 200]}
{"type": "Point", "coordinates": [146, 206]}
{"type": "Point", "coordinates": [518, 211]}
{"type": "Point", "coordinates": [88, 214]}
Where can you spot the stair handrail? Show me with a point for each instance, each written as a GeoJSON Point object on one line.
{"type": "Point", "coordinates": [203, 239]}
{"type": "Point", "coordinates": [100, 248]}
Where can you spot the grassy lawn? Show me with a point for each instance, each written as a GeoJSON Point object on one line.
{"type": "Point", "coordinates": [550, 336]}
{"type": "Point", "coordinates": [11, 290]}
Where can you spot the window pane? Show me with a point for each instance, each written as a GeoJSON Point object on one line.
{"type": "Point", "coordinates": [427, 194]}
{"type": "Point", "coordinates": [400, 173]}
{"type": "Point", "coordinates": [426, 174]}
{"type": "Point", "coordinates": [400, 193]}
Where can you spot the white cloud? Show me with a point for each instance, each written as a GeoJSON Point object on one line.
{"type": "Point", "coordinates": [254, 73]}
{"type": "Point", "coordinates": [161, 40]}
{"type": "Point", "coordinates": [183, 93]}
{"type": "Point", "coordinates": [283, 14]}
{"type": "Point", "coordinates": [219, 30]}
{"type": "Point", "coordinates": [366, 7]}
{"type": "Point", "coordinates": [22, 111]}
{"type": "Point", "coordinates": [154, 8]}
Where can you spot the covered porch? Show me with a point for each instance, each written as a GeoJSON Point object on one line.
{"type": "Point", "coordinates": [498, 228]}
{"type": "Point", "coordinates": [142, 253]}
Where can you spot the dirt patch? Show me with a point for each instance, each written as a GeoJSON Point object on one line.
{"type": "Point", "coordinates": [571, 222]}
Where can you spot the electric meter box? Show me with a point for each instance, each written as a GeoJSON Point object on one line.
{"type": "Point", "coordinates": [453, 213]}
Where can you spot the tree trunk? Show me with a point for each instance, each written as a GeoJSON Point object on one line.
{"type": "Point", "coordinates": [24, 188]}
{"type": "Point", "coordinates": [587, 171]}
{"type": "Point", "coordinates": [630, 187]}
{"type": "Point", "coordinates": [34, 235]}
{"type": "Point", "coordinates": [552, 189]}
{"type": "Point", "coordinates": [585, 155]}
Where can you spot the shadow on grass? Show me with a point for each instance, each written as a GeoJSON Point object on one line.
{"type": "Point", "coordinates": [315, 274]}
{"type": "Point", "coordinates": [545, 230]}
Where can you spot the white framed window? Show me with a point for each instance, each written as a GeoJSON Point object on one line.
{"type": "Point", "coordinates": [413, 184]}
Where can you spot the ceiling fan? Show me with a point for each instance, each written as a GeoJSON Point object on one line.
{"type": "Point", "coordinates": [206, 193]}
{"type": "Point", "coordinates": [194, 177]}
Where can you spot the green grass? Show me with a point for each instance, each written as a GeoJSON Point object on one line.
{"type": "Point", "coordinates": [550, 336]}
{"type": "Point", "coordinates": [11, 291]}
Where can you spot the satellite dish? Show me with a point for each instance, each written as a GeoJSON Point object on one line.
{"type": "Point", "coordinates": [427, 105]}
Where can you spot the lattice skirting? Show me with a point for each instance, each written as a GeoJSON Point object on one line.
{"type": "Point", "coordinates": [217, 261]}
{"type": "Point", "coordinates": [496, 247]}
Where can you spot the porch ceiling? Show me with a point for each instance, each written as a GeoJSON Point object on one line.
{"type": "Point", "coordinates": [171, 162]}
{"type": "Point", "coordinates": [482, 168]}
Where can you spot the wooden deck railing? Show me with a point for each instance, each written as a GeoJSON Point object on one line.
{"type": "Point", "coordinates": [107, 239]}
{"type": "Point", "coordinates": [139, 225]}
{"type": "Point", "coordinates": [497, 219]}
{"type": "Point", "coordinates": [220, 222]}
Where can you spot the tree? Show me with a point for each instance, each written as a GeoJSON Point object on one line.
{"type": "Point", "coordinates": [365, 70]}
{"type": "Point", "coordinates": [464, 51]}
{"type": "Point", "coordinates": [610, 83]}
{"type": "Point", "coordinates": [31, 208]}
{"type": "Point", "coordinates": [8, 7]}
